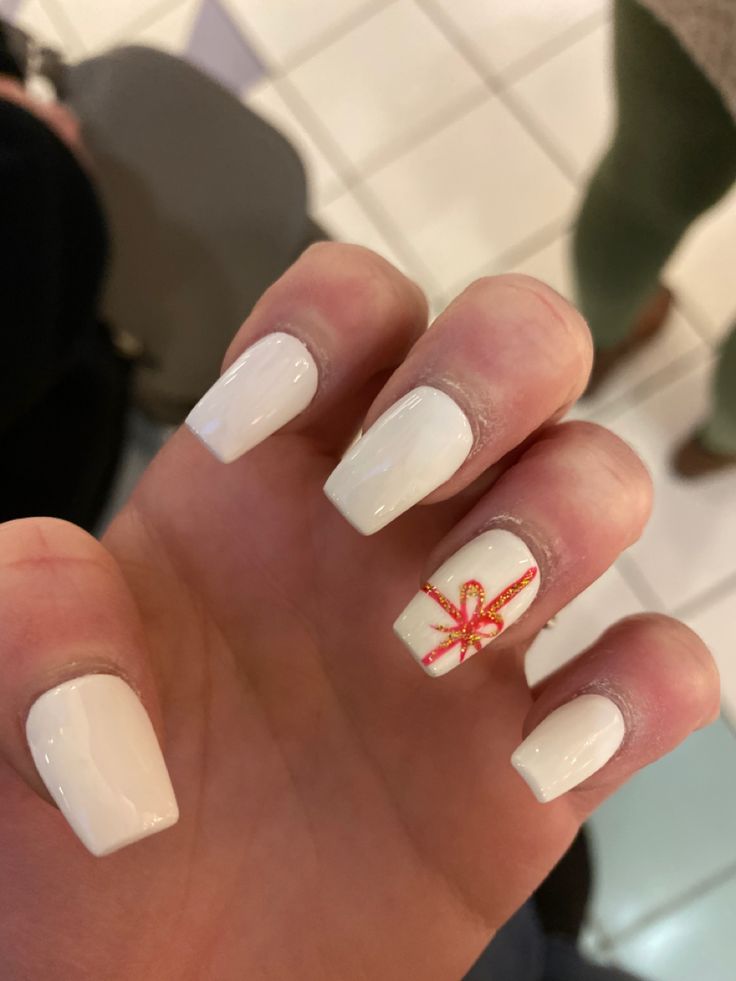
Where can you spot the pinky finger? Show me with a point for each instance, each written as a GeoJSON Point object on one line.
{"type": "Point", "coordinates": [638, 692]}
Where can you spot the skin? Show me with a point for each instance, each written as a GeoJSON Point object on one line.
{"type": "Point", "coordinates": [342, 814]}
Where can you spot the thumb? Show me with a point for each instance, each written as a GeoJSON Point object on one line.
{"type": "Point", "coordinates": [78, 698]}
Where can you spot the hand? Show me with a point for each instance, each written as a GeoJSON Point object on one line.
{"type": "Point", "coordinates": [343, 815]}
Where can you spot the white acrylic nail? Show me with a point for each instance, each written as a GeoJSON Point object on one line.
{"type": "Point", "coordinates": [478, 592]}
{"type": "Point", "coordinates": [571, 744]}
{"type": "Point", "coordinates": [96, 750]}
{"type": "Point", "coordinates": [412, 449]}
{"type": "Point", "coordinates": [270, 383]}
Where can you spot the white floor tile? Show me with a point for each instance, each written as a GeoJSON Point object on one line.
{"type": "Point", "coordinates": [472, 191]}
{"type": "Point", "coordinates": [267, 101]}
{"type": "Point", "coordinates": [570, 99]}
{"type": "Point", "coordinates": [690, 543]}
{"type": "Point", "coordinates": [715, 624]}
{"type": "Point", "coordinates": [283, 28]}
{"type": "Point", "coordinates": [100, 23]}
{"type": "Point", "coordinates": [678, 343]}
{"type": "Point", "coordinates": [32, 17]}
{"type": "Point", "coordinates": [503, 34]}
{"type": "Point", "coordinates": [581, 623]}
{"type": "Point", "coordinates": [171, 32]}
{"type": "Point", "coordinates": [347, 221]}
{"type": "Point", "coordinates": [702, 270]}
{"type": "Point", "coordinates": [384, 80]}
{"type": "Point", "coordinates": [669, 829]}
{"type": "Point", "coordinates": [695, 942]}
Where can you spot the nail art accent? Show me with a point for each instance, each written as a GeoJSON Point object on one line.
{"type": "Point", "coordinates": [412, 449]}
{"type": "Point", "coordinates": [570, 745]}
{"type": "Point", "coordinates": [95, 748]}
{"type": "Point", "coordinates": [495, 579]}
{"type": "Point", "coordinates": [270, 383]}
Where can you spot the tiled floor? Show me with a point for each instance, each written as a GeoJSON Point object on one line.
{"type": "Point", "coordinates": [454, 136]}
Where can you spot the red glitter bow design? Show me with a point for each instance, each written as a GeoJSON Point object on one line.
{"type": "Point", "coordinates": [468, 630]}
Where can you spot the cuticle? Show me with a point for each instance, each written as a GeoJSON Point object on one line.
{"type": "Point", "coordinates": [72, 671]}
{"type": "Point", "coordinates": [614, 694]}
{"type": "Point", "coordinates": [544, 552]}
{"type": "Point", "coordinates": [290, 326]}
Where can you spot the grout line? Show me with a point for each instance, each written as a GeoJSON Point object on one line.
{"type": "Point", "coordinates": [694, 316]}
{"type": "Point", "coordinates": [529, 123]}
{"type": "Point", "coordinates": [58, 17]}
{"type": "Point", "coordinates": [144, 21]}
{"type": "Point", "coordinates": [695, 892]}
{"type": "Point", "coordinates": [638, 584]}
{"type": "Point", "coordinates": [352, 178]}
{"type": "Point", "coordinates": [708, 597]}
{"type": "Point", "coordinates": [728, 721]}
{"type": "Point", "coordinates": [497, 87]}
{"type": "Point", "coordinates": [515, 255]}
{"type": "Point", "coordinates": [607, 411]}
{"type": "Point", "coordinates": [461, 107]}
{"type": "Point", "coordinates": [271, 68]}
{"type": "Point", "coordinates": [334, 33]}
{"type": "Point", "coordinates": [396, 238]}
{"type": "Point", "coordinates": [554, 47]}
{"type": "Point", "coordinates": [334, 190]}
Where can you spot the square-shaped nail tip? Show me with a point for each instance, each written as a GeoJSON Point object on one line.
{"type": "Point", "coordinates": [479, 592]}
{"type": "Point", "coordinates": [412, 449]}
{"type": "Point", "coordinates": [97, 753]}
{"type": "Point", "coordinates": [271, 383]}
{"type": "Point", "coordinates": [570, 745]}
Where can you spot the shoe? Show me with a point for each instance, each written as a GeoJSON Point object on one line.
{"type": "Point", "coordinates": [692, 459]}
{"type": "Point", "coordinates": [649, 323]}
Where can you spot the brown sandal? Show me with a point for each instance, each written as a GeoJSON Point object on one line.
{"type": "Point", "coordinates": [649, 323]}
{"type": "Point", "coordinates": [692, 459]}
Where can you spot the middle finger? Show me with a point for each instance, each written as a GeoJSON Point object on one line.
{"type": "Point", "coordinates": [504, 358]}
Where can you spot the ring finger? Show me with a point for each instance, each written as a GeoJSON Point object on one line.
{"type": "Point", "coordinates": [547, 529]}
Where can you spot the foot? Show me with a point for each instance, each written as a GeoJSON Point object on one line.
{"type": "Point", "coordinates": [693, 459]}
{"type": "Point", "coordinates": [649, 323]}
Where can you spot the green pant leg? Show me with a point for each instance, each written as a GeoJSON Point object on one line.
{"type": "Point", "coordinates": [673, 155]}
{"type": "Point", "coordinates": [719, 432]}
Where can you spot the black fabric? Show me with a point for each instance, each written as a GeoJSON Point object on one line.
{"type": "Point", "coordinates": [63, 389]}
{"type": "Point", "coordinates": [9, 64]}
{"type": "Point", "coordinates": [521, 951]}
{"type": "Point", "coordinates": [562, 898]}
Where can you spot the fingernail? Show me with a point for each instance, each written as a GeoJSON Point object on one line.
{"type": "Point", "coordinates": [95, 749]}
{"type": "Point", "coordinates": [479, 592]}
{"type": "Point", "coordinates": [413, 448]}
{"type": "Point", "coordinates": [270, 383]}
{"type": "Point", "coordinates": [570, 745]}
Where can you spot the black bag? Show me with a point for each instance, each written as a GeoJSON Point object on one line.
{"type": "Point", "coordinates": [63, 387]}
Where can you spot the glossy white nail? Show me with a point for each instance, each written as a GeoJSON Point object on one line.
{"type": "Point", "coordinates": [270, 383]}
{"type": "Point", "coordinates": [96, 750]}
{"type": "Point", "coordinates": [413, 448]}
{"type": "Point", "coordinates": [478, 592]}
{"type": "Point", "coordinates": [571, 744]}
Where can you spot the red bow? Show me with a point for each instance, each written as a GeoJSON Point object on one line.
{"type": "Point", "coordinates": [468, 628]}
